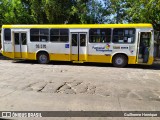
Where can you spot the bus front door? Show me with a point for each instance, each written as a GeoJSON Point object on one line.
{"type": "Point", "coordinates": [144, 47]}
{"type": "Point", "coordinates": [79, 46]}
{"type": "Point", "coordinates": [20, 44]}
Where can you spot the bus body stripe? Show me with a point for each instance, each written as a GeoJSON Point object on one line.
{"type": "Point", "coordinates": [66, 57]}
{"type": "Point", "coordinates": [78, 26]}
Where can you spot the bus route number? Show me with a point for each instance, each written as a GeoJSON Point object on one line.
{"type": "Point", "coordinates": [40, 46]}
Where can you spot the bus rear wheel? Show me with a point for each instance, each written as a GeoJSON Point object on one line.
{"type": "Point", "coordinates": [120, 60]}
{"type": "Point", "coordinates": [43, 58]}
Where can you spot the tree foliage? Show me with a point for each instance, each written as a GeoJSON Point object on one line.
{"type": "Point", "coordinates": [118, 10]}
{"type": "Point", "coordinates": [79, 11]}
{"type": "Point", "coordinates": [14, 11]}
{"type": "Point", "coordinates": [52, 11]}
{"type": "Point", "coordinates": [144, 11]}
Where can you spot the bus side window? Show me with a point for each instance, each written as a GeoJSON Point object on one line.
{"type": "Point", "coordinates": [7, 34]}
{"type": "Point", "coordinates": [123, 35]}
{"type": "Point", "coordinates": [59, 35]}
{"type": "Point", "coordinates": [44, 35]}
{"type": "Point", "coordinates": [100, 35]}
{"type": "Point", "coordinates": [34, 33]}
{"type": "Point", "coordinates": [39, 35]}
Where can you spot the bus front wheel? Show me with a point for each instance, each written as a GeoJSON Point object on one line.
{"type": "Point", "coordinates": [43, 58]}
{"type": "Point", "coordinates": [120, 60]}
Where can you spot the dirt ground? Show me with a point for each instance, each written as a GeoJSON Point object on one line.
{"type": "Point", "coordinates": [63, 86]}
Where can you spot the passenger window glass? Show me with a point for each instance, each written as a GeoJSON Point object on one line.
{"type": "Point", "coordinates": [44, 31]}
{"type": "Point", "coordinates": [82, 39]}
{"type": "Point", "coordinates": [54, 38]}
{"type": "Point", "coordinates": [123, 35]}
{"type": "Point", "coordinates": [34, 31]}
{"type": "Point", "coordinates": [44, 35]}
{"type": "Point", "coordinates": [64, 38]}
{"type": "Point", "coordinates": [63, 32]}
{"type": "Point", "coordinates": [99, 35]}
{"type": "Point", "coordinates": [54, 32]}
{"type": "Point", "coordinates": [43, 38]}
{"type": "Point", "coordinates": [7, 34]}
{"type": "Point", "coordinates": [24, 38]}
{"type": "Point", "coordinates": [16, 38]}
{"type": "Point", "coordinates": [41, 35]}
{"type": "Point", "coordinates": [74, 39]}
{"type": "Point", "coordinates": [59, 35]}
{"type": "Point", "coordinates": [34, 38]}
{"type": "Point", "coordinates": [34, 35]}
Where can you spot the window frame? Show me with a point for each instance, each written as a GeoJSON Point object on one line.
{"type": "Point", "coordinates": [4, 36]}
{"type": "Point", "coordinates": [134, 35]}
{"type": "Point", "coordinates": [101, 35]}
{"type": "Point", "coordinates": [39, 35]}
{"type": "Point", "coordinates": [59, 35]}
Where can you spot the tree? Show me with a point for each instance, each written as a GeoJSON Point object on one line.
{"type": "Point", "coordinates": [53, 11]}
{"type": "Point", "coordinates": [98, 11]}
{"type": "Point", "coordinates": [14, 12]}
{"type": "Point", "coordinates": [118, 11]}
{"type": "Point", "coordinates": [78, 12]}
{"type": "Point", "coordinates": [91, 11]}
{"type": "Point", "coordinates": [146, 11]}
{"type": "Point", "coordinates": [56, 11]}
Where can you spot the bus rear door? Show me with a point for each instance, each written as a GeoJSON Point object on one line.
{"type": "Point", "coordinates": [79, 46]}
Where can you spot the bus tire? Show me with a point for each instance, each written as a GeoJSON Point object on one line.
{"type": "Point", "coordinates": [43, 58]}
{"type": "Point", "coordinates": [120, 60]}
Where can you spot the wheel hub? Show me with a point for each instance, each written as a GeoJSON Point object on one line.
{"type": "Point", "coordinates": [43, 58]}
{"type": "Point", "coordinates": [119, 61]}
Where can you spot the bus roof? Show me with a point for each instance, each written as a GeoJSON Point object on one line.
{"type": "Point", "coordinates": [140, 25]}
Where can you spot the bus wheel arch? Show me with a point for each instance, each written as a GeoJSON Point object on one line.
{"type": "Point", "coordinates": [120, 60]}
{"type": "Point", "coordinates": [42, 57]}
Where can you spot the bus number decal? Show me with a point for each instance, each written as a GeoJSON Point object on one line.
{"type": "Point", "coordinates": [41, 46]}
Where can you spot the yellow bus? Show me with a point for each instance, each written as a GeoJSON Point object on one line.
{"type": "Point", "coordinates": [119, 44]}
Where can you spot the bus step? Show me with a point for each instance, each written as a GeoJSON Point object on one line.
{"type": "Point", "coordinates": [140, 60]}
{"type": "Point", "coordinates": [77, 61]}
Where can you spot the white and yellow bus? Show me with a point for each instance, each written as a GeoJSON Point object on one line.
{"type": "Point", "coordinates": [119, 44]}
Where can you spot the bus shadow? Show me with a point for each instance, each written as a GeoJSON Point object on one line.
{"type": "Point", "coordinates": [4, 58]}
{"type": "Point", "coordinates": [65, 63]}
{"type": "Point", "coordinates": [151, 67]}
{"type": "Point", "coordinates": [5, 119]}
{"type": "Point", "coordinates": [155, 66]}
